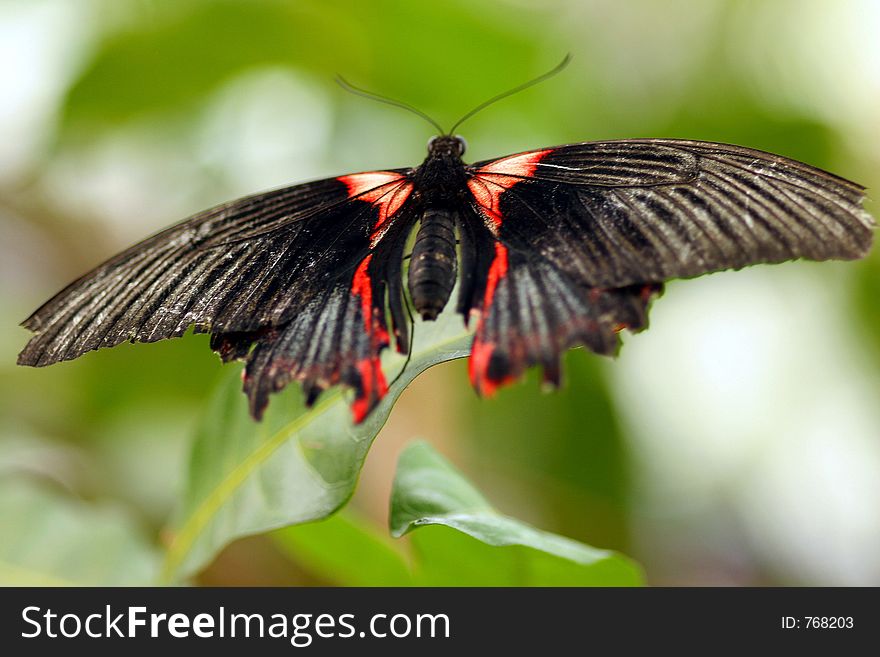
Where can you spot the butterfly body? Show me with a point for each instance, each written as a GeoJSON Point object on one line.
{"type": "Point", "coordinates": [433, 261]}
{"type": "Point", "coordinates": [550, 248]}
{"type": "Point", "coordinates": [441, 206]}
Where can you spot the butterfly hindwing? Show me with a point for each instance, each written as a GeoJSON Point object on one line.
{"type": "Point", "coordinates": [338, 336]}
{"type": "Point", "coordinates": [287, 279]}
{"type": "Point", "coordinates": [530, 312]}
{"type": "Point", "coordinates": [584, 235]}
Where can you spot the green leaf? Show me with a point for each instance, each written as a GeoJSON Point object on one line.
{"type": "Point", "coordinates": [48, 539]}
{"type": "Point", "coordinates": [581, 469]}
{"type": "Point", "coordinates": [295, 466]}
{"type": "Point", "coordinates": [429, 491]}
{"type": "Point", "coordinates": [345, 550]}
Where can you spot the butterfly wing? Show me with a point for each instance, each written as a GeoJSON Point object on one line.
{"type": "Point", "coordinates": [562, 246]}
{"type": "Point", "coordinates": [258, 270]}
{"type": "Point", "coordinates": [584, 234]}
{"type": "Point", "coordinates": [623, 212]}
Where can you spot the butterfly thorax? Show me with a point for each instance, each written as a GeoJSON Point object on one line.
{"type": "Point", "coordinates": [441, 177]}
{"type": "Point", "coordinates": [441, 180]}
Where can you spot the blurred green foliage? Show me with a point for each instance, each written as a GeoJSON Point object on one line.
{"type": "Point", "coordinates": [51, 540]}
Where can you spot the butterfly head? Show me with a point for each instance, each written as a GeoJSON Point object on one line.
{"type": "Point", "coordinates": [446, 146]}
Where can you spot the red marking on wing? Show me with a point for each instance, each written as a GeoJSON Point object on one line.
{"type": "Point", "coordinates": [373, 386]}
{"type": "Point", "coordinates": [490, 181]}
{"type": "Point", "coordinates": [368, 186]}
{"type": "Point", "coordinates": [648, 291]}
{"type": "Point", "coordinates": [487, 195]}
{"type": "Point", "coordinates": [478, 364]}
{"type": "Point", "coordinates": [388, 206]}
{"type": "Point", "coordinates": [521, 166]}
{"type": "Point", "coordinates": [362, 286]}
{"type": "Point", "coordinates": [385, 190]}
{"type": "Point", "coordinates": [481, 352]}
{"type": "Point", "coordinates": [497, 271]}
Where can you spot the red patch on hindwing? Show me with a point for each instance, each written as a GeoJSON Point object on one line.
{"type": "Point", "coordinates": [497, 271]}
{"type": "Point", "coordinates": [372, 386]}
{"type": "Point", "coordinates": [362, 286]}
{"type": "Point", "coordinates": [479, 363]}
{"type": "Point", "coordinates": [385, 190]}
{"type": "Point", "coordinates": [490, 181]}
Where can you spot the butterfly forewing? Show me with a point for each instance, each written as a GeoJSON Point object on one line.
{"type": "Point", "coordinates": [625, 212]}
{"type": "Point", "coordinates": [290, 271]}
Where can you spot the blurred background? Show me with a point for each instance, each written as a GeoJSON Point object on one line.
{"type": "Point", "coordinates": [737, 442]}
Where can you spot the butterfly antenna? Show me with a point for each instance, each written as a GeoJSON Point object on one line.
{"type": "Point", "coordinates": [525, 85]}
{"type": "Point", "coordinates": [357, 91]}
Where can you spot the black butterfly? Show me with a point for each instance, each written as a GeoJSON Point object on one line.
{"type": "Point", "coordinates": [553, 248]}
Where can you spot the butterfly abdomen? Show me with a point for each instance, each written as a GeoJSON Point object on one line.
{"type": "Point", "coordinates": [433, 262]}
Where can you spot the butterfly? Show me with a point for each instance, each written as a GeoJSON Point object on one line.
{"type": "Point", "coordinates": [550, 249]}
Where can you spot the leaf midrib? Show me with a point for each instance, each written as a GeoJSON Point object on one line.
{"type": "Point", "coordinates": [196, 522]}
